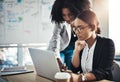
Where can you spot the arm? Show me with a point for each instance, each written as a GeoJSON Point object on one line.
{"type": "Point", "coordinates": [54, 44]}
{"type": "Point", "coordinates": [79, 45]}
{"type": "Point", "coordinates": [75, 63]}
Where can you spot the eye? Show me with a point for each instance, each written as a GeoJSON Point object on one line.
{"type": "Point", "coordinates": [80, 27]}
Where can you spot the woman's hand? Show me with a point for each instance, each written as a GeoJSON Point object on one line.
{"type": "Point", "coordinates": [61, 66]}
{"type": "Point", "coordinates": [79, 45]}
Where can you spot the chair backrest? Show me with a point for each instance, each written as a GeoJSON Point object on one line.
{"type": "Point", "coordinates": [116, 72]}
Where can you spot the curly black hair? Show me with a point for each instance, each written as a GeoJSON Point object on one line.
{"type": "Point", "coordinates": [75, 6]}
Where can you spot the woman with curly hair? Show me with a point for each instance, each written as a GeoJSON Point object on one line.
{"type": "Point", "coordinates": [63, 40]}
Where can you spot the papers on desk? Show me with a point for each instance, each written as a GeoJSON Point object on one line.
{"type": "Point", "coordinates": [14, 70]}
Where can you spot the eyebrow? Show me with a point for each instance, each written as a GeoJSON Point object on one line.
{"type": "Point", "coordinates": [78, 25]}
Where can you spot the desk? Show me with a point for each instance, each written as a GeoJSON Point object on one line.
{"type": "Point", "coordinates": [27, 77]}
{"type": "Point", "coordinates": [30, 77]}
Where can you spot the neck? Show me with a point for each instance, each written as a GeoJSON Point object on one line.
{"type": "Point", "coordinates": [91, 40]}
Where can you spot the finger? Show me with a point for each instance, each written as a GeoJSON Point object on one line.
{"type": "Point", "coordinates": [59, 61]}
{"type": "Point", "coordinates": [61, 66]}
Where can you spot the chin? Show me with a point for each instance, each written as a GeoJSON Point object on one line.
{"type": "Point", "coordinates": [68, 22]}
{"type": "Point", "coordinates": [80, 38]}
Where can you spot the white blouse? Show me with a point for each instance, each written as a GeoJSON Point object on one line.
{"type": "Point", "coordinates": [87, 58]}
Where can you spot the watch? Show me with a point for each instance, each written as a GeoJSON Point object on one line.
{"type": "Point", "coordinates": [83, 77]}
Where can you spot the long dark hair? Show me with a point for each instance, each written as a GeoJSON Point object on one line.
{"type": "Point", "coordinates": [75, 7]}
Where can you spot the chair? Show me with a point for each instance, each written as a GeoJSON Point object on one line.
{"type": "Point", "coordinates": [116, 72]}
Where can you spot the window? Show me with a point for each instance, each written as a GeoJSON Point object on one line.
{"type": "Point", "coordinates": [114, 25]}
{"type": "Point", "coordinates": [17, 55]}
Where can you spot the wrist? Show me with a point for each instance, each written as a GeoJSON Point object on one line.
{"type": "Point", "coordinates": [76, 51]}
{"type": "Point", "coordinates": [83, 77]}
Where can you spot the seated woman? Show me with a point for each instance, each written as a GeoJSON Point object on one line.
{"type": "Point", "coordinates": [93, 54]}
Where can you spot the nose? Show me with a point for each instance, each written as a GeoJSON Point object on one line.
{"type": "Point", "coordinates": [67, 19]}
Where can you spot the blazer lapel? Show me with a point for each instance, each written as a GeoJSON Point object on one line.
{"type": "Point", "coordinates": [97, 51]}
{"type": "Point", "coordinates": [68, 28]}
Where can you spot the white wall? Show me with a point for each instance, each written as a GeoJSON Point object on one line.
{"type": "Point", "coordinates": [101, 9]}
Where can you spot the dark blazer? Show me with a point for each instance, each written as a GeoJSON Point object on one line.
{"type": "Point", "coordinates": [102, 59]}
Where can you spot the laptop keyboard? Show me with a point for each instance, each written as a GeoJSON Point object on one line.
{"type": "Point", "coordinates": [14, 69]}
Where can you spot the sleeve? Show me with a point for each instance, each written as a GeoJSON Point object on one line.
{"type": "Point", "coordinates": [54, 43]}
{"type": "Point", "coordinates": [103, 69]}
{"type": "Point", "coordinates": [75, 70]}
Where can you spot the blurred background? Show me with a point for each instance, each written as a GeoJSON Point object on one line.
{"type": "Point", "coordinates": [34, 18]}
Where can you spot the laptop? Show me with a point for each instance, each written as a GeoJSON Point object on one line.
{"type": "Point", "coordinates": [14, 70]}
{"type": "Point", "coordinates": [45, 63]}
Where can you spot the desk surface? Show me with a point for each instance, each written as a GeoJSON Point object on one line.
{"type": "Point", "coordinates": [29, 77]}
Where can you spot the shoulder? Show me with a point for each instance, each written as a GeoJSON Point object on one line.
{"type": "Point", "coordinates": [59, 25]}
{"type": "Point", "coordinates": [105, 40]}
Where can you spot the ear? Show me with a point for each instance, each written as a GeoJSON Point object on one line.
{"type": "Point", "coordinates": [93, 27]}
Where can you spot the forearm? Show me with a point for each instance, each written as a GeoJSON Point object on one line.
{"type": "Point", "coordinates": [88, 77]}
{"type": "Point", "coordinates": [75, 59]}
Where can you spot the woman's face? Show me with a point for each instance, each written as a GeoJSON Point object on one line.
{"type": "Point", "coordinates": [67, 15]}
{"type": "Point", "coordinates": [82, 29]}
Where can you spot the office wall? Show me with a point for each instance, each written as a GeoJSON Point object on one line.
{"type": "Point", "coordinates": [101, 9]}
{"type": "Point", "coordinates": [28, 21]}
{"type": "Point", "coordinates": [25, 21]}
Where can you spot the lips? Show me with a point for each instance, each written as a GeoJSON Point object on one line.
{"type": "Point", "coordinates": [68, 22]}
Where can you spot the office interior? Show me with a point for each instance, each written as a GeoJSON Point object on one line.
{"type": "Point", "coordinates": [17, 54]}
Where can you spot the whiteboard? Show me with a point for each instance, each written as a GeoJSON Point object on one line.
{"type": "Point", "coordinates": [25, 21]}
